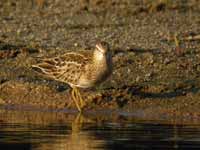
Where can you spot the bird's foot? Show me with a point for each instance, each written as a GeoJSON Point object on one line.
{"type": "Point", "coordinates": [69, 104]}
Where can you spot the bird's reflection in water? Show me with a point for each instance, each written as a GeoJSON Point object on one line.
{"type": "Point", "coordinates": [45, 132]}
{"type": "Point", "coordinates": [57, 130]}
{"type": "Point", "coordinates": [76, 140]}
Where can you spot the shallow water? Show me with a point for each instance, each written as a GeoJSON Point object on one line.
{"type": "Point", "coordinates": [30, 130]}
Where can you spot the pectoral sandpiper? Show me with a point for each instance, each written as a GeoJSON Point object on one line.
{"type": "Point", "coordinates": [79, 69]}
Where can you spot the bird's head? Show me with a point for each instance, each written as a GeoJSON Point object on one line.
{"type": "Point", "coordinates": [102, 47]}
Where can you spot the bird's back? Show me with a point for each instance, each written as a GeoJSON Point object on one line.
{"type": "Point", "coordinates": [65, 68]}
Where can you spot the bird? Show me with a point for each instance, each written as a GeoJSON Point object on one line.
{"type": "Point", "coordinates": [79, 69]}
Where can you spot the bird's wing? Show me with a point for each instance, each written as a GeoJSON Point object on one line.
{"type": "Point", "coordinates": [66, 68]}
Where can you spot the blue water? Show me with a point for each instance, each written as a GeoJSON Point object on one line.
{"type": "Point", "coordinates": [28, 130]}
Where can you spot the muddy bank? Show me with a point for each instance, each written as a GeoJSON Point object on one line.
{"type": "Point", "coordinates": [155, 46]}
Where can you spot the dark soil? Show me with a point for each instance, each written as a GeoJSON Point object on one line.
{"type": "Point", "coordinates": [155, 46]}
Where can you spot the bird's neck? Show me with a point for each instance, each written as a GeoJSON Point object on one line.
{"type": "Point", "coordinates": [98, 57]}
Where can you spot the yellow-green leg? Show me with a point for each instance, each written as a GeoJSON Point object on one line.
{"type": "Point", "coordinates": [75, 99]}
{"type": "Point", "coordinates": [82, 103]}
{"type": "Point", "coordinates": [76, 96]}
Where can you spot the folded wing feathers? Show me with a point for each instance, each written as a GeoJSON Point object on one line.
{"type": "Point", "coordinates": [59, 67]}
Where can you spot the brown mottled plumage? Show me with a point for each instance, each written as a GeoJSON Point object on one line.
{"type": "Point", "coordinates": [82, 69]}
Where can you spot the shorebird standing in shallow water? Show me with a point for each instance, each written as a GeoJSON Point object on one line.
{"type": "Point", "coordinates": [80, 69]}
